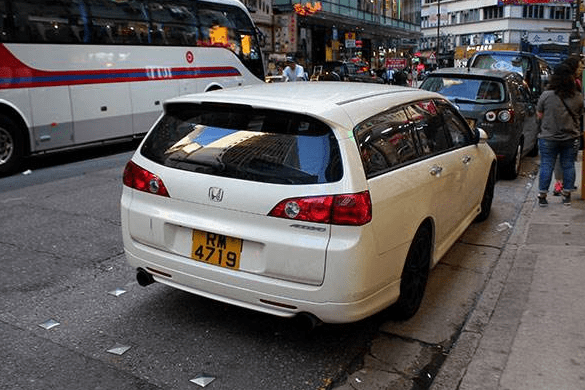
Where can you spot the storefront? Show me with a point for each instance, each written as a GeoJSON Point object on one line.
{"type": "Point", "coordinates": [314, 33]}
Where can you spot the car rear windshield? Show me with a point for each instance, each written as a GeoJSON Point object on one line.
{"type": "Point", "coordinates": [510, 62]}
{"type": "Point", "coordinates": [241, 142]}
{"type": "Point", "coordinates": [473, 89]}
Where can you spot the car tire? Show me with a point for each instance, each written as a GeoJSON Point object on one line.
{"type": "Point", "coordinates": [415, 275]}
{"type": "Point", "coordinates": [512, 169]}
{"type": "Point", "coordinates": [488, 197]}
{"type": "Point", "coordinates": [11, 145]}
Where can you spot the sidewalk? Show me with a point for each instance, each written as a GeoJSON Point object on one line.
{"type": "Point", "coordinates": [528, 328]}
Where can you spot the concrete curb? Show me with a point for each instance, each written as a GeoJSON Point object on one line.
{"type": "Point", "coordinates": [479, 356]}
{"type": "Point", "coordinates": [462, 352]}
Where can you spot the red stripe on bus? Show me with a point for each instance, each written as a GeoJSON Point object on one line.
{"type": "Point", "coordinates": [15, 74]}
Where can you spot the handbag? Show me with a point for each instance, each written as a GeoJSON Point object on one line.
{"type": "Point", "coordinates": [576, 122]}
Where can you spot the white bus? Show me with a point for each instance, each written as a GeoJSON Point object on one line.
{"type": "Point", "coordinates": [76, 73]}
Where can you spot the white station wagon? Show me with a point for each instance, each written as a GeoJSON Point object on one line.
{"type": "Point", "coordinates": [323, 199]}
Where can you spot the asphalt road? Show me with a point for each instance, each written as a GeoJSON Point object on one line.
{"type": "Point", "coordinates": [62, 260]}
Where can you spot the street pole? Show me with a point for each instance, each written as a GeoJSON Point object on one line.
{"type": "Point", "coordinates": [438, 32]}
{"type": "Point", "coordinates": [576, 36]}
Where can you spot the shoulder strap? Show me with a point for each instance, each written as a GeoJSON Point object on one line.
{"type": "Point", "coordinates": [569, 110]}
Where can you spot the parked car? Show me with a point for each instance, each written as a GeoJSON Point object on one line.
{"type": "Point", "coordinates": [345, 71]}
{"type": "Point", "coordinates": [496, 101]}
{"type": "Point", "coordinates": [308, 199]}
{"type": "Point", "coordinates": [535, 70]}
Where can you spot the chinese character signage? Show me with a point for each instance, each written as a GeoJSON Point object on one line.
{"type": "Point", "coordinates": [525, 2]}
{"type": "Point", "coordinates": [307, 8]}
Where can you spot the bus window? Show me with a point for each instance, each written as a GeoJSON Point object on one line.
{"type": "Point", "coordinates": [42, 22]}
{"type": "Point", "coordinates": [173, 23]}
{"type": "Point", "coordinates": [232, 30]}
{"type": "Point", "coordinates": [123, 23]}
{"type": "Point", "coordinates": [73, 83]}
{"type": "Point", "coordinates": [3, 22]}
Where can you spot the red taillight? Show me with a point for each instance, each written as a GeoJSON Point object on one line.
{"type": "Point", "coordinates": [142, 180]}
{"type": "Point", "coordinates": [347, 209]}
{"type": "Point", "coordinates": [352, 209]}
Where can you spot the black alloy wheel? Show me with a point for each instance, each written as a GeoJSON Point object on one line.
{"type": "Point", "coordinates": [414, 275]}
{"type": "Point", "coordinates": [488, 197]}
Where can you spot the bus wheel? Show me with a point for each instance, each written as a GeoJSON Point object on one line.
{"type": "Point", "coordinates": [11, 147]}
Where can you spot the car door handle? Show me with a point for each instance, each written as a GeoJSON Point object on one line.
{"type": "Point", "coordinates": [436, 170]}
{"type": "Point", "coordinates": [466, 159]}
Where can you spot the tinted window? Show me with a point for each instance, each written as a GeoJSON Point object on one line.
{"type": "Point", "coordinates": [3, 21]}
{"type": "Point", "coordinates": [477, 89]}
{"type": "Point", "coordinates": [503, 61]}
{"type": "Point", "coordinates": [455, 126]}
{"type": "Point", "coordinates": [178, 22]}
{"type": "Point", "coordinates": [119, 23]}
{"type": "Point", "coordinates": [519, 90]}
{"type": "Point", "coordinates": [242, 143]}
{"type": "Point", "coordinates": [41, 21]}
{"type": "Point", "coordinates": [428, 127]}
{"type": "Point", "coordinates": [385, 142]}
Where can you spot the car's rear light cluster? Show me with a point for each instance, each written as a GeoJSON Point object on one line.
{"type": "Point", "coordinates": [142, 180]}
{"type": "Point", "coordinates": [502, 115]}
{"type": "Point", "coordinates": [346, 209]}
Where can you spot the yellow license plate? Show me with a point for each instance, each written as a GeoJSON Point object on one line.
{"type": "Point", "coordinates": [216, 249]}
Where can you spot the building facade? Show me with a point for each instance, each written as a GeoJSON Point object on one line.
{"type": "Point", "coordinates": [314, 32]}
{"type": "Point", "coordinates": [454, 29]}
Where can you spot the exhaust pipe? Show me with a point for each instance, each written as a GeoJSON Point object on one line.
{"type": "Point", "coordinates": [307, 322]}
{"type": "Point", "coordinates": [143, 277]}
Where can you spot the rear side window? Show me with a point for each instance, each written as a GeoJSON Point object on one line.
{"type": "Point", "coordinates": [244, 143]}
{"type": "Point", "coordinates": [385, 142]}
{"type": "Point", "coordinates": [455, 127]}
{"type": "Point", "coordinates": [428, 127]}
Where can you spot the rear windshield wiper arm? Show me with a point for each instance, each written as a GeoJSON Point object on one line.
{"type": "Point", "coordinates": [463, 100]}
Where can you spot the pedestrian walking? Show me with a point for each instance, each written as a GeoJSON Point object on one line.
{"type": "Point", "coordinates": [576, 66]}
{"type": "Point", "coordinates": [558, 109]}
{"type": "Point", "coordinates": [389, 75]}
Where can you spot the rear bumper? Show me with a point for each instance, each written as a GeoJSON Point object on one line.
{"type": "Point", "coordinates": [275, 297]}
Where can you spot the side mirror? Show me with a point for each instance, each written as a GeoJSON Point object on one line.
{"type": "Point", "coordinates": [480, 135]}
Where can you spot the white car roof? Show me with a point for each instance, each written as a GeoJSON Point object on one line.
{"type": "Point", "coordinates": [336, 102]}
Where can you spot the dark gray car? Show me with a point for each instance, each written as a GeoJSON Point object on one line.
{"type": "Point", "coordinates": [497, 101]}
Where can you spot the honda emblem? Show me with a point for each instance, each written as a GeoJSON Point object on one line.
{"type": "Point", "coordinates": [215, 194]}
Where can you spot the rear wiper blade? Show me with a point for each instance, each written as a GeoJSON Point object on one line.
{"type": "Point", "coordinates": [282, 172]}
{"type": "Point", "coordinates": [217, 164]}
{"type": "Point", "coordinates": [463, 100]}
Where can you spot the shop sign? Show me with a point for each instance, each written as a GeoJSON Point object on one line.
{"type": "Point", "coordinates": [350, 40]}
{"type": "Point", "coordinates": [547, 37]}
{"type": "Point", "coordinates": [307, 9]}
{"type": "Point", "coordinates": [396, 63]}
